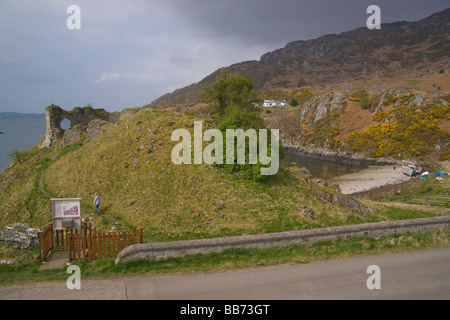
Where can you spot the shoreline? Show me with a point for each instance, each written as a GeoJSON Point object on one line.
{"type": "Point", "coordinates": [379, 173]}
{"type": "Point", "coordinates": [370, 178]}
{"type": "Point", "coordinates": [349, 158]}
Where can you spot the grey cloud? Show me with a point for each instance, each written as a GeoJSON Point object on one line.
{"type": "Point", "coordinates": [129, 53]}
{"type": "Point", "coordinates": [281, 21]}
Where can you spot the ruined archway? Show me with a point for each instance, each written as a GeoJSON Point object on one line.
{"type": "Point", "coordinates": [65, 124]}
{"type": "Point", "coordinates": [56, 117]}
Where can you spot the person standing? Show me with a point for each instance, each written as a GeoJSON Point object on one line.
{"type": "Point", "coordinates": [97, 203]}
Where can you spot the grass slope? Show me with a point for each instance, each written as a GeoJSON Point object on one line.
{"type": "Point", "coordinates": [130, 167]}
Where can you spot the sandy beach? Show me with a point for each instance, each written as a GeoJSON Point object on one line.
{"type": "Point", "coordinates": [370, 178]}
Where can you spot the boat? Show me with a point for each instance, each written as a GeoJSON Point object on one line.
{"type": "Point", "coordinates": [410, 169]}
{"type": "Point", "coordinates": [1, 132]}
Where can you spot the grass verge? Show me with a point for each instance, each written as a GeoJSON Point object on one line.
{"type": "Point", "coordinates": [234, 258]}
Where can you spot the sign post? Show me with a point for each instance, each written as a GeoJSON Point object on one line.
{"type": "Point", "coordinates": [66, 213]}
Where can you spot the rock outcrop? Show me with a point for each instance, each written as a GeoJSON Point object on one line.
{"type": "Point", "coordinates": [20, 236]}
{"type": "Point", "coordinates": [322, 104]}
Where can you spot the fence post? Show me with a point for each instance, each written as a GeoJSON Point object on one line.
{"type": "Point", "coordinates": [78, 237]}
{"type": "Point", "coordinates": [42, 245]}
{"type": "Point", "coordinates": [69, 248]}
{"type": "Point", "coordinates": [89, 246]}
{"type": "Point", "coordinates": [113, 244]}
{"type": "Point", "coordinates": [103, 244]}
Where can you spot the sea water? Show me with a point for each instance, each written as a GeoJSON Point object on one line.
{"type": "Point", "coordinates": [21, 132]}
{"type": "Point", "coordinates": [321, 167]}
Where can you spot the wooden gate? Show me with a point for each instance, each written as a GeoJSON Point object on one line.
{"type": "Point", "coordinates": [46, 241]}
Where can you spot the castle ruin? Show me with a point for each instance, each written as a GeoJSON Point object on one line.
{"type": "Point", "coordinates": [81, 119]}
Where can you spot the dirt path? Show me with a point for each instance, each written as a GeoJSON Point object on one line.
{"type": "Point", "coordinates": [119, 225]}
{"type": "Point", "coordinates": [41, 185]}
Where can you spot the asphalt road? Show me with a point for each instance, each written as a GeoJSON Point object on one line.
{"type": "Point", "coordinates": [414, 275]}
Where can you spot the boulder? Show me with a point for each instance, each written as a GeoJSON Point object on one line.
{"type": "Point", "coordinates": [306, 211]}
{"type": "Point", "coordinates": [20, 236]}
{"type": "Point", "coordinates": [350, 204]}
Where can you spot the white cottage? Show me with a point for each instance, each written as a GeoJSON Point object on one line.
{"type": "Point", "coordinates": [274, 103]}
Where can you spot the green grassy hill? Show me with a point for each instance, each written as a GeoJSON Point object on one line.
{"type": "Point", "coordinates": [130, 167]}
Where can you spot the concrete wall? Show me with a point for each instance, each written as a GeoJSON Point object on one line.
{"type": "Point", "coordinates": [161, 251]}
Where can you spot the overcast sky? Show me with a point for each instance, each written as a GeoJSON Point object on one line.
{"type": "Point", "coordinates": [130, 52]}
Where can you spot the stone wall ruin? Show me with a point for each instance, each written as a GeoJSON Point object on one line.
{"type": "Point", "coordinates": [85, 122]}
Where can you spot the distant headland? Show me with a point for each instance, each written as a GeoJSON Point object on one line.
{"type": "Point", "coordinates": [21, 115]}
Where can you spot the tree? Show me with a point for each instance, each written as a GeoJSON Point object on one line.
{"type": "Point", "coordinates": [230, 90]}
{"type": "Point", "coordinates": [232, 98]}
{"type": "Point", "coordinates": [294, 102]}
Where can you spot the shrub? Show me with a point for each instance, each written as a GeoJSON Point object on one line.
{"type": "Point", "coordinates": [412, 134]}
{"type": "Point", "coordinates": [364, 102]}
{"type": "Point", "coordinates": [380, 116]}
{"type": "Point", "coordinates": [358, 95]}
{"type": "Point", "coordinates": [19, 156]}
{"type": "Point", "coordinates": [293, 102]}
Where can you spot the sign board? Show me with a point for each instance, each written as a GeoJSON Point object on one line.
{"type": "Point", "coordinates": [66, 213]}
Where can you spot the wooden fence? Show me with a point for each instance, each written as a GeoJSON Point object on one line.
{"type": "Point", "coordinates": [95, 244]}
{"type": "Point", "coordinates": [88, 244]}
{"type": "Point", "coordinates": [46, 241]}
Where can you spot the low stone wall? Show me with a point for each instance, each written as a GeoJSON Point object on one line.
{"type": "Point", "coordinates": [164, 250]}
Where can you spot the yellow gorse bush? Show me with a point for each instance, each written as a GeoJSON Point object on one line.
{"type": "Point", "coordinates": [414, 132]}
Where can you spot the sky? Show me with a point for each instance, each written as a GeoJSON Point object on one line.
{"type": "Point", "coordinates": [128, 53]}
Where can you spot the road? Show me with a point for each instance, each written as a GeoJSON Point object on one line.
{"type": "Point", "coordinates": [423, 274]}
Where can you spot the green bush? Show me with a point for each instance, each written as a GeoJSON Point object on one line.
{"type": "Point", "coordinates": [237, 118]}
{"type": "Point", "coordinates": [232, 97]}
{"type": "Point", "coordinates": [293, 102]}
{"type": "Point", "coordinates": [19, 156]}
{"type": "Point", "coordinates": [364, 102]}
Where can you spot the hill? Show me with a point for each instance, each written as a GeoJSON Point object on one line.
{"type": "Point", "coordinates": [398, 123]}
{"type": "Point", "coordinates": [400, 50]}
{"type": "Point", "coordinates": [130, 166]}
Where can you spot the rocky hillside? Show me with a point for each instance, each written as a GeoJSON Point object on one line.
{"type": "Point", "coordinates": [384, 124]}
{"type": "Point", "coordinates": [410, 49]}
